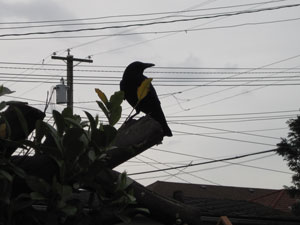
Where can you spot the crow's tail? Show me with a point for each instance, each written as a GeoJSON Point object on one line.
{"type": "Point", "coordinates": [159, 116]}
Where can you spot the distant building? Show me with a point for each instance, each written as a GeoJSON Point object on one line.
{"type": "Point", "coordinates": [241, 205]}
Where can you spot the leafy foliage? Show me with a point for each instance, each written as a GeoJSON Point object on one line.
{"type": "Point", "coordinates": [112, 108]}
{"type": "Point", "coordinates": [289, 148]}
{"type": "Point", "coordinates": [78, 149]}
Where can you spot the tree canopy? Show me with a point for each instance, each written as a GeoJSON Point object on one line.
{"type": "Point", "coordinates": [289, 148]}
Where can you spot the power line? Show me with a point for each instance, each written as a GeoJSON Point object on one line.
{"type": "Point", "coordinates": [280, 69]}
{"type": "Point", "coordinates": [180, 171]}
{"type": "Point", "coordinates": [245, 92]}
{"type": "Point", "coordinates": [228, 131]}
{"type": "Point", "coordinates": [245, 117]}
{"type": "Point", "coordinates": [102, 83]}
{"type": "Point", "coordinates": [223, 138]}
{"type": "Point", "coordinates": [152, 23]}
{"type": "Point", "coordinates": [231, 164]}
{"type": "Point", "coordinates": [246, 131]}
{"type": "Point", "coordinates": [170, 174]}
{"type": "Point", "coordinates": [138, 15]}
{"type": "Point", "coordinates": [151, 32]}
{"type": "Point", "coordinates": [238, 114]}
{"type": "Point", "coordinates": [204, 163]}
{"type": "Point", "coordinates": [177, 14]}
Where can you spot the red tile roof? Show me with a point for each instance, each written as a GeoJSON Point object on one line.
{"type": "Point", "coordinates": [276, 199]}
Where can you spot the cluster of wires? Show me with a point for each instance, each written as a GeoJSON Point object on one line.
{"type": "Point", "coordinates": [162, 76]}
{"type": "Point", "coordinates": [62, 28]}
{"type": "Point", "coordinates": [178, 77]}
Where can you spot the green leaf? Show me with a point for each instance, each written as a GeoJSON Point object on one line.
{"type": "Point", "coordinates": [110, 133]}
{"type": "Point", "coordinates": [73, 122]}
{"type": "Point", "coordinates": [39, 131]}
{"type": "Point", "coordinates": [22, 202]}
{"type": "Point", "coordinates": [37, 196]}
{"type": "Point", "coordinates": [66, 191]}
{"type": "Point", "coordinates": [93, 123]}
{"type": "Point", "coordinates": [115, 115]}
{"type": "Point", "coordinates": [5, 193]}
{"type": "Point", "coordinates": [69, 210]}
{"type": "Point", "coordinates": [103, 108]}
{"type": "Point", "coordinates": [141, 211]}
{"type": "Point", "coordinates": [18, 171]}
{"type": "Point", "coordinates": [92, 155]}
{"type": "Point", "coordinates": [5, 91]}
{"type": "Point", "coordinates": [22, 120]}
{"type": "Point", "coordinates": [6, 175]}
{"type": "Point", "coordinates": [2, 105]}
{"type": "Point", "coordinates": [49, 130]}
{"type": "Point", "coordinates": [67, 113]}
{"type": "Point", "coordinates": [37, 185]}
{"type": "Point", "coordinates": [59, 121]}
{"type": "Point", "coordinates": [144, 88]}
{"type": "Point", "coordinates": [98, 137]}
{"type": "Point", "coordinates": [73, 144]}
{"type": "Point", "coordinates": [116, 99]}
{"type": "Point", "coordinates": [124, 181]}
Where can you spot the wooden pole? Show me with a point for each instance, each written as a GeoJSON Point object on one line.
{"type": "Point", "coordinates": [70, 65]}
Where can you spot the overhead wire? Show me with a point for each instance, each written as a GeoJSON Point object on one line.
{"type": "Point", "coordinates": [149, 33]}
{"type": "Point", "coordinates": [189, 8]}
{"type": "Point", "coordinates": [235, 95]}
{"type": "Point", "coordinates": [140, 14]}
{"type": "Point", "coordinates": [204, 163]}
{"type": "Point", "coordinates": [226, 130]}
{"type": "Point", "coordinates": [222, 138]}
{"type": "Point", "coordinates": [151, 23]}
{"type": "Point", "coordinates": [180, 171]}
{"type": "Point", "coordinates": [223, 166]}
{"type": "Point", "coordinates": [169, 174]}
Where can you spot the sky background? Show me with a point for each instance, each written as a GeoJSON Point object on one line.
{"type": "Point", "coordinates": [227, 73]}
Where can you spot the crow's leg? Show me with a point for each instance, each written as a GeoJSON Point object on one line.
{"type": "Point", "coordinates": [131, 117]}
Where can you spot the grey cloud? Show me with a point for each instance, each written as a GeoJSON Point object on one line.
{"type": "Point", "coordinates": [33, 11]}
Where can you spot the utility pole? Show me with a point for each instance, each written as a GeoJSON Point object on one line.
{"type": "Point", "coordinates": [70, 59]}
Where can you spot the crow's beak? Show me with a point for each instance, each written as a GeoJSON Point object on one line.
{"type": "Point", "coordinates": [147, 65]}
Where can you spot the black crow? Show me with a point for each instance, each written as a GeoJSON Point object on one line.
{"type": "Point", "coordinates": [132, 78]}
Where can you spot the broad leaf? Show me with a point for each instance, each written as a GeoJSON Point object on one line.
{"type": "Point", "coordinates": [115, 115]}
{"type": "Point", "coordinates": [22, 120]}
{"type": "Point", "coordinates": [37, 185]}
{"type": "Point", "coordinates": [103, 108]}
{"type": "Point", "coordinates": [5, 91]}
{"type": "Point", "coordinates": [73, 144]}
{"type": "Point", "coordinates": [116, 99]}
{"type": "Point", "coordinates": [6, 175]}
{"type": "Point", "coordinates": [110, 134]}
{"type": "Point", "coordinates": [36, 196]}
{"type": "Point", "coordinates": [2, 105]}
{"type": "Point", "coordinates": [59, 121]}
{"type": "Point", "coordinates": [39, 131]}
{"type": "Point", "coordinates": [69, 210]}
{"type": "Point", "coordinates": [93, 123]}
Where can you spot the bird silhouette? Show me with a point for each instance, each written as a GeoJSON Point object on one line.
{"type": "Point", "coordinates": [132, 78]}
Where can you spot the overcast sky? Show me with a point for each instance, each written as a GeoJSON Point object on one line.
{"type": "Point", "coordinates": [227, 73]}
